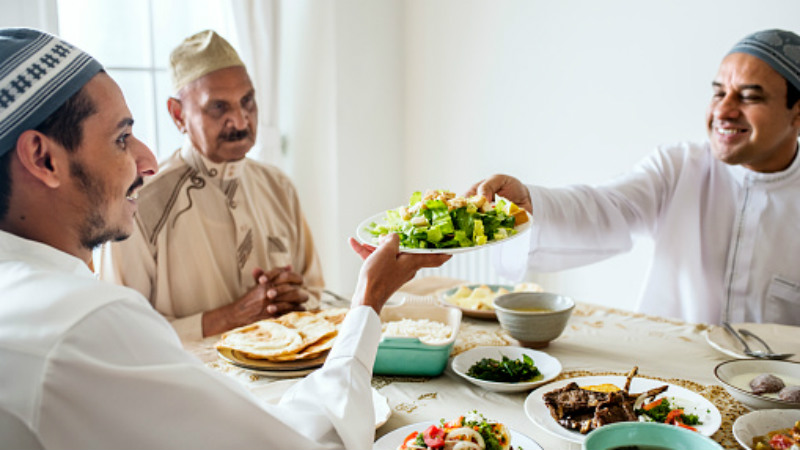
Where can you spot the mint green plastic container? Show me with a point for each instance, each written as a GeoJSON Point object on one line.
{"type": "Point", "coordinates": [409, 355]}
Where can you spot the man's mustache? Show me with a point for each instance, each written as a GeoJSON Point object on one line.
{"type": "Point", "coordinates": [235, 135]}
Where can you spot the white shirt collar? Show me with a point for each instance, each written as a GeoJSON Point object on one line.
{"type": "Point", "coordinates": [27, 250]}
{"type": "Point", "coordinates": [742, 173]}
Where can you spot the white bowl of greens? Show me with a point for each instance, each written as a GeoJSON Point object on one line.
{"type": "Point", "coordinates": [506, 368]}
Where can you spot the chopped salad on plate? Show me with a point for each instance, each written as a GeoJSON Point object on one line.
{"type": "Point", "coordinates": [470, 432]}
{"type": "Point", "coordinates": [440, 219]}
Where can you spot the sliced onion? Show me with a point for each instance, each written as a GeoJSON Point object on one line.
{"type": "Point", "coordinates": [463, 445]}
{"type": "Point", "coordinates": [471, 436]}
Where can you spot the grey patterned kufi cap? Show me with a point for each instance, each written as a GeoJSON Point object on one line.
{"type": "Point", "coordinates": [778, 48]}
{"type": "Point", "coordinates": [38, 73]}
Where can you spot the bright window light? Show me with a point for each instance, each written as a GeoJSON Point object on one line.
{"type": "Point", "coordinates": [133, 39]}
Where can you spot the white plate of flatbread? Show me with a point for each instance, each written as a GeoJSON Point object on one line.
{"type": "Point", "coordinates": [291, 345]}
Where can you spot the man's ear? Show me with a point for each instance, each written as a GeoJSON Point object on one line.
{"type": "Point", "coordinates": [175, 108]}
{"type": "Point", "coordinates": [38, 154]}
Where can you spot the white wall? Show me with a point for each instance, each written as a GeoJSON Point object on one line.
{"type": "Point", "coordinates": [341, 87]}
{"type": "Point", "coordinates": [439, 94]}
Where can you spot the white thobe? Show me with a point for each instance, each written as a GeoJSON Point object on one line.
{"type": "Point", "coordinates": [726, 238]}
{"type": "Point", "coordinates": [89, 364]}
{"type": "Point", "coordinates": [201, 229]}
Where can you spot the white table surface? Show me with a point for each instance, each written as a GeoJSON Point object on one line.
{"type": "Point", "coordinates": [597, 340]}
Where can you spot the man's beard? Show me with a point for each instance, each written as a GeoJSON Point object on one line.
{"type": "Point", "coordinates": [94, 230]}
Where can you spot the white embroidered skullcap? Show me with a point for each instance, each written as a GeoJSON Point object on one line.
{"type": "Point", "coordinates": [38, 74]}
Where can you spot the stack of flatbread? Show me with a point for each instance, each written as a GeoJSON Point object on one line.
{"type": "Point", "coordinates": [291, 337]}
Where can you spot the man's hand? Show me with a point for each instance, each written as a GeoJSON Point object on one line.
{"type": "Point", "coordinates": [276, 292]}
{"type": "Point", "coordinates": [385, 270]}
{"type": "Point", "coordinates": [285, 291]}
{"type": "Point", "coordinates": [505, 186]}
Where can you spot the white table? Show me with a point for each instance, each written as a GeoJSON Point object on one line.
{"type": "Point", "coordinates": [597, 340]}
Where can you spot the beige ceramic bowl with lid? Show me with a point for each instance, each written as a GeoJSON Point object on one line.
{"type": "Point", "coordinates": [533, 318]}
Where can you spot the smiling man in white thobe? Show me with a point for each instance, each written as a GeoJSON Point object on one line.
{"type": "Point", "coordinates": [724, 214]}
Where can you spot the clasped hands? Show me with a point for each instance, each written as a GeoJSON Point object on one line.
{"type": "Point", "coordinates": [280, 290]}
{"type": "Point", "coordinates": [276, 292]}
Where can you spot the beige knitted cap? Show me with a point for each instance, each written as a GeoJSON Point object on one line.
{"type": "Point", "coordinates": [198, 55]}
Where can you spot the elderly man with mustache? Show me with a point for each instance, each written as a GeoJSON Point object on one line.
{"type": "Point", "coordinates": [221, 240]}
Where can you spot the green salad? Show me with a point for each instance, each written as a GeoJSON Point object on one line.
{"type": "Point", "coordinates": [440, 219]}
{"type": "Point", "coordinates": [507, 371]}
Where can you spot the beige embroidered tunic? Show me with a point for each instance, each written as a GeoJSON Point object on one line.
{"type": "Point", "coordinates": [201, 229]}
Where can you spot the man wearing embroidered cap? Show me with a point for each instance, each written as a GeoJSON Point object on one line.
{"type": "Point", "coordinates": [221, 240]}
{"type": "Point", "coordinates": [89, 364]}
{"type": "Point", "coordinates": [70, 168]}
{"type": "Point", "coordinates": [723, 214]}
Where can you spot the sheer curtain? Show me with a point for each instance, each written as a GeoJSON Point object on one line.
{"type": "Point", "coordinates": [341, 109]}
{"type": "Point", "coordinates": [257, 30]}
{"type": "Point", "coordinates": [40, 14]}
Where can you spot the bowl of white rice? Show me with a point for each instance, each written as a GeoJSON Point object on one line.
{"type": "Point", "coordinates": [417, 337]}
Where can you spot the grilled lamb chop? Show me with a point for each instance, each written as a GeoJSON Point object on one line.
{"type": "Point", "coordinates": [618, 408]}
{"type": "Point", "coordinates": [571, 401]}
{"type": "Point", "coordinates": [583, 410]}
{"type": "Point", "coordinates": [647, 395]}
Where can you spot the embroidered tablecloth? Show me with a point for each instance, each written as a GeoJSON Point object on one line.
{"type": "Point", "coordinates": [597, 341]}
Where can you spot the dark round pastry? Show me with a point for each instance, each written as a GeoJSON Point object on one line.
{"type": "Point", "coordinates": [766, 383]}
{"type": "Point", "coordinates": [790, 394]}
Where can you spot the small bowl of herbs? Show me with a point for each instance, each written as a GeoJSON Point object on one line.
{"type": "Point", "coordinates": [507, 368]}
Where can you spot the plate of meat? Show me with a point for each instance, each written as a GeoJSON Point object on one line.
{"type": "Point", "coordinates": [573, 407]}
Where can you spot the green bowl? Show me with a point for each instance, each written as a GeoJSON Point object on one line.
{"type": "Point", "coordinates": [409, 356]}
{"type": "Point", "coordinates": [647, 435]}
